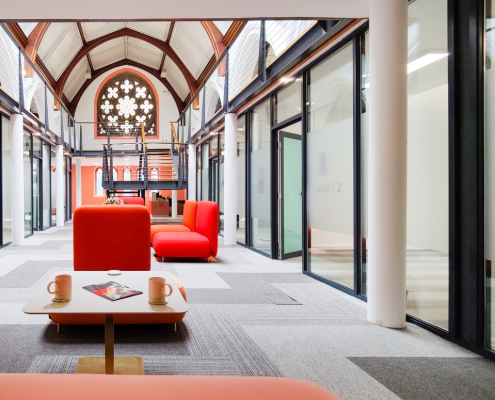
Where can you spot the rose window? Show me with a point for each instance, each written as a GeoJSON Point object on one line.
{"type": "Point", "coordinates": [125, 102]}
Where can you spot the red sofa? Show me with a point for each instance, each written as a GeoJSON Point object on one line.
{"type": "Point", "coordinates": [188, 221]}
{"type": "Point", "coordinates": [156, 387]}
{"type": "Point", "coordinates": [133, 200]}
{"type": "Point", "coordinates": [114, 237]}
{"type": "Point", "coordinates": [202, 243]}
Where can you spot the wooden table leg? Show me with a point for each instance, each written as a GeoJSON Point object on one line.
{"type": "Point", "coordinates": [109, 344]}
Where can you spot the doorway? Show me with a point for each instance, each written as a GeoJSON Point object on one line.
{"type": "Point", "coordinates": [290, 191]}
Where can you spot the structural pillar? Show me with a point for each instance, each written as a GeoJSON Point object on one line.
{"type": "Point", "coordinates": [78, 183]}
{"type": "Point", "coordinates": [17, 179]}
{"type": "Point", "coordinates": [60, 189]}
{"type": "Point", "coordinates": [230, 180]}
{"type": "Point", "coordinates": [387, 198]}
{"type": "Point", "coordinates": [191, 173]}
{"type": "Point", "coordinates": [174, 203]}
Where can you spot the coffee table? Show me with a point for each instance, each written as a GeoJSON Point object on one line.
{"type": "Point", "coordinates": [85, 302]}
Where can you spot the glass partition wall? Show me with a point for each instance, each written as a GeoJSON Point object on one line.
{"type": "Point", "coordinates": [5, 193]}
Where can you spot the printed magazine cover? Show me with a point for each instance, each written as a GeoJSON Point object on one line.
{"type": "Point", "coordinates": [112, 291]}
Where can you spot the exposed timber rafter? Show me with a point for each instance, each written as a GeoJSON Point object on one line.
{"type": "Point", "coordinates": [191, 82]}
{"type": "Point", "coordinates": [125, 63]}
{"type": "Point", "coordinates": [216, 37]}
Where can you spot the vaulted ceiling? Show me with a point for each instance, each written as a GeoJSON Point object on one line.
{"type": "Point", "coordinates": [66, 51]}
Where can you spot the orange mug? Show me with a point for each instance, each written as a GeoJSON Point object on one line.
{"type": "Point", "coordinates": [63, 287]}
{"type": "Point", "coordinates": [157, 290]}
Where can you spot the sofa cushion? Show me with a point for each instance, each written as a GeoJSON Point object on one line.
{"type": "Point", "coordinates": [181, 245]}
{"type": "Point", "coordinates": [189, 214]}
{"type": "Point", "coordinates": [167, 228]}
{"type": "Point", "coordinates": [112, 237]}
{"type": "Point", "coordinates": [155, 387]}
{"type": "Point", "coordinates": [207, 223]}
{"type": "Point", "coordinates": [133, 200]}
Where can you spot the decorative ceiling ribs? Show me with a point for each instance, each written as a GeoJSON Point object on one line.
{"type": "Point", "coordinates": [216, 37]}
{"type": "Point", "coordinates": [123, 63]}
{"type": "Point", "coordinates": [91, 45]}
{"type": "Point", "coordinates": [81, 33]}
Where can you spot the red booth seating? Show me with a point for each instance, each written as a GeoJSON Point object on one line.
{"type": "Point", "coordinates": [202, 243]}
{"type": "Point", "coordinates": [157, 387]}
{"type": "Point", "coordinates": [114, 237]}
{"type": "Point", "coordinates": [188, 221]}
{"type": "Point", "coordinates": [133, 200]}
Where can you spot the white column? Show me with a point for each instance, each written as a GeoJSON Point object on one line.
{"type": "Point", "coordinates": [78, 183]}
{"type": "Point", "coordinates": [191, 173]}
{"type": "Point", "coordinates": [17, 179]}
{"type": "Point", "coordinates": [386, 276]}
{"type": "Point", "coordinates": [230, 180]}
{"type": "Point", "coordinates": [174, 203]}
{"type": "Point", "coordinates": [60, 193]}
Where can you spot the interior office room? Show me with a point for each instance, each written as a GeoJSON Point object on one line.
{"type": "Point", "coordinates": [219, 200]}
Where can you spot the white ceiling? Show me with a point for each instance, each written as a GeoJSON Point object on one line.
{"type": "Point", "coordinates": [189, 40]}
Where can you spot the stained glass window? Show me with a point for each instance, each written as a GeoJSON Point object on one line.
{"type": "Point", "coordinates": [124, 103]}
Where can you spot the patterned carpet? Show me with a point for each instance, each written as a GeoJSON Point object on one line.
{"type": "Point", "coordinates": [249, 316]}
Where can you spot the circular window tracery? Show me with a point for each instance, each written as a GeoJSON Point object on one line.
{"type": "Point", "coordinates": [125, 102]}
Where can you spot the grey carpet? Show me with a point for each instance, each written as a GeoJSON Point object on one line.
{"type": "Point", "coordinates": [29, 272]}
{"type": "Point", "coordinates": [48, 245]}
{"type": "Point", "coordinates": [425, 378]}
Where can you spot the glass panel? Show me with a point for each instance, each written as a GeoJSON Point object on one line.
{"type": "Point", "coordinates": [36, 193]}
{"type": "Point", "coordinates": [28, 222]}
{"type": "Point", "coordinates": [198, 173]}
{"type": "Point", "coordinates": [490, 174]}
{"type": "Point", "coordinates": [221, 182]}
{"type": "Point", "coordinates": [205, 185]}
{"type": "Point", "coordinates": [214, 146]}
{"type": "Point", "coordinates": [260, 178]}
{"type": "Point", "coordinates": [427, 280]}
{"type": "Point", "coordinates": [53, 176]}
{"type": "Point", "coordinates": [365, 75]}
{"type": "Point", "coordinates": [6, 182]}
{"type": "Point", "coordinates": [46, 186]}
{"type": "Point", "coordinates": [330, 169]}
{"type": "Point", "coordinates": [241, 180]}
{"type": "Point", "coordinates": [288, 101]}
{"type": "Point", "coordinates": [36, 147]}
{"type": "Point", "coordinates": [292, 189]}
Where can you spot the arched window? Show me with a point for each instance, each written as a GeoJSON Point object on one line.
{"type": "Point", "coordinates": [154, 175]}
{"type": "Point", "coordinates": [99, 181]}
{"type": "Point", "coordinates": [125, 101]}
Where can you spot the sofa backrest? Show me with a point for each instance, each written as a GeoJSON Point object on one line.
{"type": "Point", "coordinates": [207, 223]}
{"type": "Point", "coordinates": [112, 237]}
{"type": "Point", "coordinates": [189, 214]}
{"type": "Point", "coordinates": [133, 200]}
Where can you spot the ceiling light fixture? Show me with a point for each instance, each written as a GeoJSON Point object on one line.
{"type": "Point", "coordinates": [87, 75]}
{"type": "Point", "coordinates": [163, 74]}
{"type": "Point", "coordinates": [424, 61]}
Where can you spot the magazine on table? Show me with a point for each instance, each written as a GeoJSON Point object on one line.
{"type": "Point", "coordinates": [112, 290]}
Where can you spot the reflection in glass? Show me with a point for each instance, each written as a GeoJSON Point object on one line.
{"type": "Point", "coordinates": [427, 164]}
{"type": "Point", "coordinates": [46, 186]}
{"type": "Point", "coordinates": [490, 175]}
{"type": "Point", "coordinates": [260, 178]}
{"type": "Point", "coordinates": [241, 180]}
{"type": "Point", "coordinates": [365, 78]}
{"type": "Point", "coordinates": [288, 101]}
{"type": "Point", "coordinates": [198, 173]}
{"type": "Point", "coordinates": [28, 194]}
{"type": "Point", "coordinates": [205, 184]}
{"type": "Point", "coordinates": [36, 193]}
{"type": "Point", "coordinates": [221, 182]}
{"type": "Point", "coordinates": [330, 169]}
{"type": "Point", "coordinates": [54, 187]}
{"type": "Point", "coordinates": [6, 161]}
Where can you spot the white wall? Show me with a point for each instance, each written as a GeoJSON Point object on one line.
{"type": "Point", "coordinates": [85, 111]}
